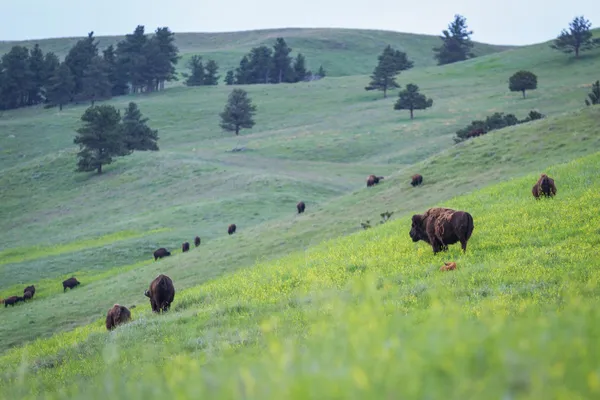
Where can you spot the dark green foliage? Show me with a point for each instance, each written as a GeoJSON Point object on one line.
{"type": "Point", "coordinates": [116, 77]}
{"type": "Point", "coordinates": [131, 60]}
{"type": "Point", "coordinates": [321, 72]}
{"type": "Point", "coordinates": [532, 116]}
{"type": "Point", "coordinates": [37, 76]}
{"type": "Point", "coordinates": [196, 76]}
{"type": "Point", "coordinates": [238, 112]}
{"type": "Point", "coordinates": [300, 72]}
{"type": "Point", "coordinates": [391, 62]}
{"type": "Point", "coordinates": [493, 122]}
{"type": "Point", "coordinates": [410, 99]}
{"type": "Point", "coordinates": [522, 81]}
{"type": "Point", "coordinates": [79, 57]}
{"type": "Point", "coordinates": [282, 70]}
{"type": "Point", "coordinates": [210, 75]}
{"type": "Point", "coordinates": [51, 64]}
{"type": "Point", "coordinates": [594, 96]}
{"type": "Point", "coordinates": [456, 42]}
{"type": "Point", "coordinates": [242, 73]}
{"type": "Point", "coordinates": [96, 82]}
{"type": "Point", "coordinates": [16, 82]}
{"type": "Point", "coordinates": [61, 86]}
{"type": "Point", "coordinates": [577, 39]}
{"type": "Point", "coordinates": [230, 78]}
{"type": "Point", "coordinates": [165, 57]}
{"type": "Point", "coordinates": [136, 134]}
{"type": "Point", "coordinates": [261, 64]}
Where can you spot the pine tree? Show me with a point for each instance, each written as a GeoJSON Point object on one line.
{"type": "Point", "coordinates": [79, 57]}
{"type": "Point", "coordinates": [210, 76]}
{"type": "Point", "coordinates": [37, 75]}
{"type": "Point", "coordinates": [137, 135]}
{"type": "Point", "coordinates": [260, 64]}
{"type": "Point", "coordinates": [131, 58]}
{"type": "Point", "coordinates": [96, 82]}
{"type": "Point", "coordinates": [17, 77]}
{"type": "Point", "coordinates": [62, 85]}
{"type": "Point", "coordinates": [51, 64]}
{"type": "Point", "coordinates": [196, 76]}
{"type": "Point", "coordinates": [167, 56]}
{"type": "Point", "coordinates": [282, 70]}
{"type": "Point", "coordinates": [522, 81]}
{"type": "Point", "coordinates": [410, 99]}
{"type": "Point", "coordinates": [116, 77]}
{"type": "Point", "coordinates": [577, 39]}
{"type": "Point", "coordinates": [299, 68]}
{"type": "Point", "coordinates": [229, 78]}
{"type": "Point", "coordinates": [594, 95]}
{"type": "Point", "coordinates": [321, 72]}
{"type": "Point", "coordinates": [238, 112]}
{"type": "Point", "coordinates": [99, 138]}
{"type": "Point", "coordinates": [456, 42]}
{"type": "Point", "coordinates": [391, 62]}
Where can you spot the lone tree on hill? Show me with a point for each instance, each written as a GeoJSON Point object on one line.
{"type": "Point", "coordinates": [595, 95]}
{"type": "Point", "coordinates": [238, 112]}
{"type": "Point", "coordinates": [391, 62]}
{"type": "Point", "coordinates": [578, 38]}
{"type": "Point", "coordinates": [410, 99]}
{"type": "Point", "coordinates": [522, 81]}
{"type": "Point", "coordinates": [456, 42]}
{"type": "Point", "coordinates": [136, 135]}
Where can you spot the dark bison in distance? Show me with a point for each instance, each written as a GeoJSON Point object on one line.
{"type": "Point", "coordinates": [416, 180]}
{"type": "Point", "coordinates": [300, 206]}
{"type": "Point", "coordinates": [197, 241]}
{"type": "Point", "coordinates": [12, 300]}
{"type": "Point", "coordinates": [373, 180]}
{"type": "Point", "coordinates": [28, 292]}
{"type": "Point", "coordinates": [117, 315]}
{"type": "Point", "coordinates": [161, 293]}
{"type": "Point", "coordinates": [544, 187]}
{"type": "Point", "coordinates": [185, 247]}
{"type": "Point", "coordinates": [231, 229]}
{"type": "Point", "coordinates": [441, 227]}
{"type": "Point", "coordinates": [160, 253]}
{"type": "Point", "coordinates": [70, 283]}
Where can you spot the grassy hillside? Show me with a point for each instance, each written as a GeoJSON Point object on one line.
{"type": "Point", "coordinates": [341, 51]}
{"type": "Point", "coordinates": [315, 142]}
{"type": "Point", "coordinates": [369, 315]}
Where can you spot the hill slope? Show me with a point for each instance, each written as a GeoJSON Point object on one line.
{"type": "Point", "coordinates": [369, 315]}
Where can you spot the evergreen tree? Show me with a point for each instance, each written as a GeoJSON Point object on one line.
{"type": "Point", "coordinates": [79, 58]}
{"type": "Point", "coordinates": [410, 99]}
{"type": "Point", "coordinates": [196, 77]}
{"type": "Point", "coordinates": [391, 62]}
{"type": "Point", "coordinates": [260, 64]}
{"type": "Point", "coordinates": [321, 72]}
{"type": "Point", "coordinates": [166, 57]}
{"type": "Point", "coordinates": [136, 134]}
{"type": "Point", "coordinates": [238, 112]}
{"type": "Point", "coordinates": [578, 38]}
{"type": "Point", "coordinates": [51, 64]}
{"type": "Point", "coordinates": [131, 59]}
{"type": "Point", "coordinates": [282, 70]}
{"type": "Point", "coordinates": [242, 73]}
{"type": "Point", "coordinates": [522, 81]}
{"type": "Point", "coordinates": [99, 138]}
{"type": "Point", "coordinates": [37, 76]}
{"type": "Point", "coordinates": [210, 76]}
{"type": "Point", "coordinates": [299, 68]}
{"type": "Point", "coordinates": [62, 85]}
{"type": "Point", "coordinates": [456, 42]}
{"type": "Point", "coordinates": [116, 77]}
{"type": "Point", "coordinates": [229, 78]}
{"type": "Point", "coordinates": [594, 95]}
{"type": "Point", "coordinates": [17, 77]}
{"type": "Point", "coordinates": [96, 82]}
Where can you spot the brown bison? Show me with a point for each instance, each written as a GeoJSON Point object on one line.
{"type": "Point", "coordinates": [160, 253]}
{"type": "Point", "coordinates": [185, 247]}
{"type": "Point", "coordinates": [70, 283]}
{"type": "Point", "coordinates": [441, 227]}
{"type": "Point", "coordinates": [373, 180]}
{"type": "Point", "coordinates": [197, 241]}
{"type": "Point", "coordinates": [117, 315]}
{"type": "Point", "coordinates": [27, 296]}
{"type": "Point", "coordinates": [30, 289]}
{"type": "Point", "coordinates": [448, 266]}
{"type": "Point", "coordinates": [300, 206]}
{"type": "Point", "coordinates": [12, 300]}
{"type": "Point", "coordinates": [231, 229]}
{"type": "Point", "coordinates": [161, 293]}
{"type": "Point", "coordinates": [544, 187]}
{"type": "Point", "coordinates": [416, 180]}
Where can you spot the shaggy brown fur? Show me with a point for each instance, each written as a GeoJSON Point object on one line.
{"type": "Point", "coordinates": [185, 247]}
{"type": "Point", "coordinates": [70, 283]}
{"type": "Point", "coordinates": [12, 300]}
{"type": "Point", "coordinates": [29, 289]}
{"type": "Point", "coordinates": [416, 180]}
{"type": "Point", "coordinates": [161, 293]}
{"type": "Point", "coordinates": [117, 315]}
{"type": "Point", "coordinates": [231, 229]}
{"type": "Point", "coordinates": [544, 187]}
{"type": "Point", "coordinates": [27, 295]}
{"type": "Point", "coordinates": [160, 253]}
{"type": "Point", "coordinates": [448, 266]}
{"type": "Point", "coordinates": [300, 206]}
{"type": "Point", "coordinates": [197, 241]}
{"type": "Point", "coordinates": [441, 227]}
{"type": "Point", "coordinates": [373, 180]}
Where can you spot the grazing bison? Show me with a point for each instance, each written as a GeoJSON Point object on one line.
{"type": "Point", "coordinates": [12, 300]}
{"type": "Point", "coordinates": [27, 296]}
{"type": "Point", "coordinates": [117, 315]}
{"type": "Point", "coordinates": [448, 266]}
{"type": "Point", "coordinates": [416, 180]}
{"type": "Point", "coordinates": [231, 229]}
{"type": "Point", "coordinates": [29, 289]}
{"type": "Point", "coordinates": [544, 187]}
{"type": "Point", "coordinates": [185, 247]}
{"type": "Point", "coordinates": [373, 180]}
{"type": "Point", "coordinates": [161, 293]}
{"type": "Point", "coordinates": [441, 227]}
{"type": "Point", "coordinates": [300, 206]}
{"type": "Point", "coordinates": [197, 241]}
{"type": "Point", "coordinates": [70, 283]}
{"type": "Point", "coordinates": [160, 253]}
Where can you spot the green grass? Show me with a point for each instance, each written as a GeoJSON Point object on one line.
{"type": "Point", "coordinates": [369, 315]}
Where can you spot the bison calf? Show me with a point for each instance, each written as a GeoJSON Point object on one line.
{"type": "Point", "coordinates": [416, 180]}
{"type": "Point", "coordinates": [197, 241]}
{"type": "Point", "coordinates": [117, 315]}
{"type": "Point", "coordinates": [373, 180]}
{"type": "Point", "coordinates": [160, 253]}
{"type": "Point", "coordinates": [185, 247]}
{"type": "Point", "coordinates": [70, 283]}
{"type": "Point", "coordinates": [441, 227]}
{"type": "Point", "coordinates": [300, 206]}
{"type": "Point", "coordinates": [544, 187]}
{"type": "Point", "coordinates": [231, 229]}
{"type": "Point", "coordinates": [161, 293]}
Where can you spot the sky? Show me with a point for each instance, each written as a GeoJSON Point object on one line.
{"type": "Point", "coordinates": [515, 22]}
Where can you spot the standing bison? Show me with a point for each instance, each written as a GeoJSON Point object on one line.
{"type": "Point", "coordinates": [117, 315]}
{"type": "Point", "coordinates": [160, 253]}
{"type": "Point", "coordinates": [544, 187]}
{"type": "Point", "coordinates": [441, 227]}
{"type": "Point", "coordinates": [28, 292]}
{"type": "Point", "coordinates": [416, 180]}
{"type": "Point", "coordinates": [300, 206]}
{"type": "Point", "coordinates": [185, 247]}
{"type": "Point", "coordinates": [231, 229]}
{"type": "Point", "coordinates": [12, 300]}
{"type": "Point", "coordinates": [70, 283]}
{"type": "Point", "coordinates": [373, 180]}
{"type": "Point", "coordinates": [161, 293]}
{"type": "Point", "coordinates": [197, 241]}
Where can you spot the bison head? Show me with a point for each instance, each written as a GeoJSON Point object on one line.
{"type": "Point", "coordinates": [416, 231]}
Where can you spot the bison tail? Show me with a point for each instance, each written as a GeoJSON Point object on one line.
{"type": "Point", "coordinates": [470, 226]}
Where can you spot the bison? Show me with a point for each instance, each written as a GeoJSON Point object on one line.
{"type": "Point", "coordinates": [117, 315]}
{"type": "Point", "coordinates": [441, 227]}
{"type": "Point", "coordinates": [416, 180]}
{"type": "Point", "coordinates": [300, 206]}
{"type": "Point", "coordinates": [185, 247]}
{"type": "Point", "coordinates": [27, 296]}
{"type": "Point", "coordinates": [160, 253]}
{"type": "Point", "coordinates": [544, 187]}
{"type": "Point", "coordinates": [373, 180]}
{"type": "Point", "coordinates": [12, 300]}
{"type": "Point", "coordinates": [29, 289]}
{"type": "Point", "coordinates": [70, 283]}
{"type": "Point", "coordinates": [231, 229]}
{"type": "Point", "coordinates": [197, 241]}
{"type": "Point", "coordinates": [161, 293]}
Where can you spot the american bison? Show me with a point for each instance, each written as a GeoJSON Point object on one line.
{"type": "Point", "coordinates": [300, 206]}
{"type": "Point", "coordinates": [416, 180]}
{"type": "Point", "coordinates": [185, 247]}
{"type": "Point", "coordinates": [231, 229]}
{"type": "Point", "coordinates": [160, 253]}
{"type": "Point", "coordinates": [12, 300]}
{"type": "Point", "coordinates": [441, 227]}
{"type": "Point", "coordinates": [117, 315]}
{"type": "Point", "coordinates": [27, 296]}
{"type": "Point", "coordinates": [448, 266]}
{"type": "Point", "coordinates": [30, 289]}
{"type": "Point", "coordinates": [544, 187]}
{"type": "Point", "coordinates": [70, 283]}
{"type": "Point", "coordinates": [197, 241]}
{"type": "Point", "coordinates": [373, 180]}
{"type": "Point", "coordinates": [161, 293]}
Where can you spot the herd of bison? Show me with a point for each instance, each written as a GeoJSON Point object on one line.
{"type": "Point", "coordinates": [439, 227]}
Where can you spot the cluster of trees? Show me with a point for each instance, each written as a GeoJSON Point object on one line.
{"type": "Point", "coordinates": [138, 63]}
{"type": "Point", "coordinates": [495, 121]}
{"type": "Point", "coordinates": [201, 74]}
{"type": "Point", "coordinates": [594, 96]}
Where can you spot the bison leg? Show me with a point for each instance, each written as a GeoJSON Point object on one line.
{"type": "Point", "coordinates": [154, 305]}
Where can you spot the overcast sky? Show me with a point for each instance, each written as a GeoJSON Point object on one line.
{"type": "Point", "coordinates": [498, 22]}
